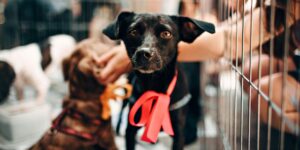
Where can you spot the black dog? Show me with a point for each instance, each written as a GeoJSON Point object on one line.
{"type": "Point", "coordinates": [151, 42]}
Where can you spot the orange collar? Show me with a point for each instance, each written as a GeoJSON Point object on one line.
{"type": "Point", "coordinates": [109, 93]}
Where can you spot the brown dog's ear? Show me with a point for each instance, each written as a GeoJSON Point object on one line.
{"type": "Point", "coordinates": [190, 29]}
{"type": "Point", "coordinates": [66, 68]}
{"type": "Point", "coordinates": [113, 30]}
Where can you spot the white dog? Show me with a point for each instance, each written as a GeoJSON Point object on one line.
{"type": "Point", "coordinates": [27, 65]}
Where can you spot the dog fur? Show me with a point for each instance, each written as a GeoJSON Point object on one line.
{"type": "Point", "coordinates": [30, 64]}
{"type": "Point", "coordinates": [7, 78]}
{"type": "Point", "coordinates": [80, 70]}
{"type": "Point", "coordinates": [151, 42]}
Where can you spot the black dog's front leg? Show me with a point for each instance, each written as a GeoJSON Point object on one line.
{"type": "Point", "coordinates": [178, 122]}
{"type": "Point", "coordinates": [131, 132]}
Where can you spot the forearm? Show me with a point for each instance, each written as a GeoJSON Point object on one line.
{"type": "Point", "coordinates": [207, 46]}
{"type": "Point", "coordinates": [224, 42]}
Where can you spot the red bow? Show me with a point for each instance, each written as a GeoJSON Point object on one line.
{"type": "Point", "coordinates": [156, 117]}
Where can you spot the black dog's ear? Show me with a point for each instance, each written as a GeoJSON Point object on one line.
{"type": "Point", "coordinates": [113, 30]}
{"type": "Point", "coordinates": [190, 29]}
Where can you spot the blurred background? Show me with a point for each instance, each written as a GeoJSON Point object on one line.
{"type": "Point", "coordinates": [234, 103]}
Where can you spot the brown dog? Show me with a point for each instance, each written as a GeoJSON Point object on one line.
{"type": "Point", "coordinates": [81, 124]}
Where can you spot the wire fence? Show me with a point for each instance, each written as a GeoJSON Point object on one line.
{"type": "Point", "coordinates": [257, 104]}
{"type": "Point", "coordinates": [26, 21]}
{"type": "Point", "coordinates": [258, 92]}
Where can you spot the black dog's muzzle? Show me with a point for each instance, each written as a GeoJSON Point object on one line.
{"type": "Point", "coordinates": [145, 54]}
{"type": "Point", "coordinates": [147, 59]}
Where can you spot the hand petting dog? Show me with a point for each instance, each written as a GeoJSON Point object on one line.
{"type": "Point", "coordinates": [116, 63]}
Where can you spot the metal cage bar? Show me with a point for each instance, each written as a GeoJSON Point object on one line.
{"type": "Point", "coordinates": [250, 78]}
{"type": "Point", "coordinates": [238, 127]}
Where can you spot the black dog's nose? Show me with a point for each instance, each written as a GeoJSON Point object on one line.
{"type": "Point", "coordinates": [145, 54]}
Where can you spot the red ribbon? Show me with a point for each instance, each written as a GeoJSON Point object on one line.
{"type": "Point", "coordinates": [156, 117]}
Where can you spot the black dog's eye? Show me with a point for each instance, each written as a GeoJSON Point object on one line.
{"type": "Point", "coordinates": [166, 35]}
{"type": "Point", "coordinates": [133, 33]}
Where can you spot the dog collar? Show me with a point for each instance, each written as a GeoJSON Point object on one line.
{"type": "Point", "coordinates": [58, 127]}
{"type": "Point", "coordinates": [182, 102]}
{"type": "Point", "coordinates": [154, 117]}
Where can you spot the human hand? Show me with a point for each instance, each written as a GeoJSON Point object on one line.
{"type": "Point", "coordinates": [289, 96]}
{"type": "Point", "coordinates": [115, 62]}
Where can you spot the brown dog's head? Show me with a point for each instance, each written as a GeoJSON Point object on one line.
{"type": "Point", "coordinates": [81, 70]}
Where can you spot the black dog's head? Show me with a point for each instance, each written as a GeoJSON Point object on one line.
{"type": "Point", "coordinates": [151, 40]}
{"type": "Point", "coordinates": [7, 77]}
